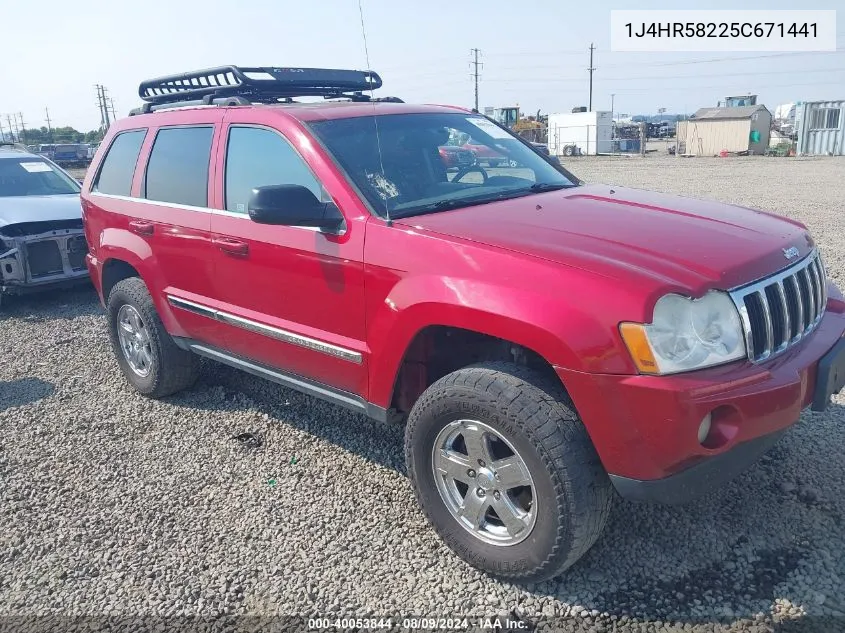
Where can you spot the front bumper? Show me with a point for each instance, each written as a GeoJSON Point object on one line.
{"type": "Point", "coordinates": [645, 428]}
{"type": "Point", "coordinates": [43, 261]}
{"type": "Point", "coordinates": [697, 480]}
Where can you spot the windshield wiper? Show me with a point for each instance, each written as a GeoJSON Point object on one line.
{"type": "Point", "coordinates": [539, 187]}
{"type": "Point", "coordinates": [457, 203]}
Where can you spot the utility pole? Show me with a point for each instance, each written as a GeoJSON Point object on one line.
{"type": "Point", "coordinates": [100, 107]}
{"type": "Point", "coordinates": [475, 63]}
{"type": "Point", "coordinates": [102, 103]}
{"type": "Point", "coordinates": [612, 117]}
{"type": "Point", "coordinates": [23, 127]}
{"type": "Point", "coordinates": [111, 106]}
{"type": "Point", "coordinates": [11, 131]}
{"type": "Point", "coordinates": [591, 69]}
{"type": "Point", "coordinates": [49, 125]}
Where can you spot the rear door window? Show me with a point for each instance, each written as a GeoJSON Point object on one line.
{"type": "Point", "coordinates": [177, 171]}
{"type": "Point", "coordinates": [118, 166]}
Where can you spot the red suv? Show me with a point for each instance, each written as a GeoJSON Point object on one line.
{"type": "Point", "coordinates": [546, 341]}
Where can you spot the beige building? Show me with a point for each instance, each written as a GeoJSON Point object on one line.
{"type": "Point", "coordinates": [737, 129]}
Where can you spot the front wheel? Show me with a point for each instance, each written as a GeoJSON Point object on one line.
{"type": "Point", "coordinates": [506, 472]}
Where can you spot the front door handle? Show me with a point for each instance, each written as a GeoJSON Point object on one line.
{"type": "Point", "coordinates": [230, 246]}
{"type": "Point", "coordinates": [141, 228]}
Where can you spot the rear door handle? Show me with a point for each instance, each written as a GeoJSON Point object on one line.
{"type": "Point", "coordinates": [142, 228]}
{"type": "Point", "coordinates": [230, 246]}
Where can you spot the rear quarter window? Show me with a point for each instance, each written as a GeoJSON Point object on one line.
{"type": "Point", "coordinates": [177, 171]}
{"type": "Point", "coordinates": [118, 166]}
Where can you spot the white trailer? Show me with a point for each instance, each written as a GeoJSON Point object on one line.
{"type": "Point", "coordinates": [590, 132]}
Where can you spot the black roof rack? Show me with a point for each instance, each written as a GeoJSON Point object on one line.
{"type": "Point", "coordinates": [234, 85]}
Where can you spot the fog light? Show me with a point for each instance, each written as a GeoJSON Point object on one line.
{"type": "Point", "coordinates": [704, 428]}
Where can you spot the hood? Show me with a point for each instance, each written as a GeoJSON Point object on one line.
{"type": "Point", "coordinates": [18, 209]}
{"type": "Point", "coordinates": [620, 232]}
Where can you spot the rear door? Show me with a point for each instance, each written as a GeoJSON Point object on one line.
{"type": "Point", "coordinates": [171, 212]}
{"type": "Point", "coordinates": [292, 297]}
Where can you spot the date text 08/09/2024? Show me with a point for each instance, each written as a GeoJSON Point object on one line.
{"type": "Point", "coordinates": [722, 29]}
{"type": "Point", "coordinates": [466, 624]}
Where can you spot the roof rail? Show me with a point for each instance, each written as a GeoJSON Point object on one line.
{"type": "Point", "coordinates": [234, 85]}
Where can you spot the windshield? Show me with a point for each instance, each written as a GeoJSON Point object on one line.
{"type": "Point", "coordinates": [27, 176]}
{"type": "Point", "coordinates": [422, 163]}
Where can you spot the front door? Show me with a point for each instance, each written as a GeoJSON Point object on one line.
{"type": "Point", "coordinates": [292, 297]}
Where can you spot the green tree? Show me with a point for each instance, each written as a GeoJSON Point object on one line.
{"type": "Point", "coordinates": [67, 134]}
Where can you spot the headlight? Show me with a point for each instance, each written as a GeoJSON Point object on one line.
{"type": "Point", "coordinates": [686, 334]}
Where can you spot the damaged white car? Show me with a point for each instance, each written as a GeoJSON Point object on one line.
{"type": "Point", "coordinates": [42, 245]}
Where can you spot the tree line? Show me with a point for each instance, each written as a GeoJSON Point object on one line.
{"type": "Point", "coordinates": [44, 135]}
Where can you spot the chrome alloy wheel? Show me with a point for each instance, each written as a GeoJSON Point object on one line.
{"type": "Point", "coordinates": [134, 340]}
{"type": "Point", "coordinates": [484, 483]}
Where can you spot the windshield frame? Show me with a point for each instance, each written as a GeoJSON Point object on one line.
{"type": "Point", "coordinates": [382, 212]}
{"type": "Point", "coordinates": [73, 184]}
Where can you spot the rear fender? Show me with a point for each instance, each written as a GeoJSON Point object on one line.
{"type": "Point", "coordinates": [120, 244]}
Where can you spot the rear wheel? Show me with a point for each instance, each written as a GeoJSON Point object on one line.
{"type": "Point", "coordinates": [147, 355]}
{"type": "Point", "coordinates": [506, 472]}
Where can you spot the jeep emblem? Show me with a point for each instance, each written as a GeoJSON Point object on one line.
{"type": "Point", "coordinates": [790, 252]}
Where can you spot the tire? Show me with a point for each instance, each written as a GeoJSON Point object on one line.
{"type": "Point", "coordinates": [571, 491]}
{"type": "Point", "coordinates": [168, 369]}
{"type": "Point", "coordinates": [493, 162]}
{"type": "Point", "coordinates": [568, 151]}
{"type": "Point", "coordinates": [513, 163]}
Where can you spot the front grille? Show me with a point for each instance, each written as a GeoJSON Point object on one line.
{"type": "Point", "coordinates": [780, 310]}
{"type": "Point", "coordinates": [44, 258]}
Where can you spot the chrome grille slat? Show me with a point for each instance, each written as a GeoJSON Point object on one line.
{"type": "Point", "coordinates": [824, 282]}
{"type": "Point", "coordinates": [767, 320]}
{"type": "Point", "coordinates": [800, 303]}
{"type": "Point", "coordinates": [811, 295]}
{"type": "Point", "coordinates": [814, 269]}
{"type": "Point", "coordinates": [787, 325]}
{"type": "Point", "coordinates": [780, 310]}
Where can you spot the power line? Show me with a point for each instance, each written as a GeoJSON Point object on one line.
{"type": "Point", "coordinates": [547, 54]}
{"type": "Point", "coordinates": [629, 78]}
{"type": "Point", "coordinates": [475, 63]}
{"type": "Point", "coordinates": [722, 87]}
{"type": "Point", "coordinates": [688, 62]}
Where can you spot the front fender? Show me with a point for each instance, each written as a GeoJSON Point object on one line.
{"type": "Point", "coordinates": [553, 328]}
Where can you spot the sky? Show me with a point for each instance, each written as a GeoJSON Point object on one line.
{"type": "Point", "coordinates": [534, 53]}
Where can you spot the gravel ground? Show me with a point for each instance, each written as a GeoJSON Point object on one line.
{"type": "Point", "coordinates": [112, 504]}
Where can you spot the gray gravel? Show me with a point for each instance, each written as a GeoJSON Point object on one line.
{"type": "Point", "coordinates": [112, 504]}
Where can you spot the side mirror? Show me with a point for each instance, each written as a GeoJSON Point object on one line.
{"type": "Point", "coordinates": [293, 205]}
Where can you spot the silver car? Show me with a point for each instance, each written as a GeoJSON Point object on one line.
{"type": "Point", "coordinates": [42, 244]}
